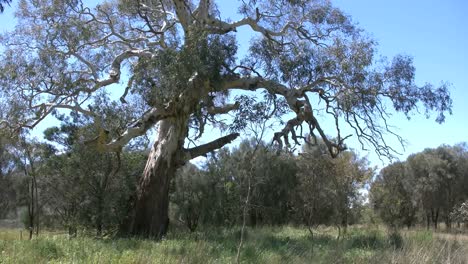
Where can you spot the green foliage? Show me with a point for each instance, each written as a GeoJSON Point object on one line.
{"type": "Point", "coordinates": [392, 198]}
{"type": "Point", "coordinates": [95, 195]}
{"type": "Point", "coordinates": [372, 239]}
{"type": "Point", "coordinates": [460, 212]}
{"type": "Point", "coordinates": [80, 186]}
{"type": "Point", "coordinates": [190, 196]}
{"type": "Point", "coordinates": [70, 53]}
{"type": "Point", "coordinates": [215, 194]}
{"type": "Point", "coordinates": [422, 237]}
{"type": "Point", "coordinates": [179, 63]}
{"type": "Point", "coordinates": [428, 187]}
{"type": "Point", "coordinates": [328, 189]}
{"type": "Point", "coordinates": [203, 57]}
{"type": "Point", "coordinates": [48, 250]}
{"type": "Point", "coordinates": [8, 192]}
{"type": "Point", "coordinates": [311, 189]}
{"type": "Point", "coordinates": [395, 239]}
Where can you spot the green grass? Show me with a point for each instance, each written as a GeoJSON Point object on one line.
{"type": "Point", "coordinates": [219, 245]}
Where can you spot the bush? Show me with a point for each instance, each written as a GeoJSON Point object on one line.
{"type": "Point", "coordinates": [366, 240]}
{"type": "Point", "coordinates": [395, 239]}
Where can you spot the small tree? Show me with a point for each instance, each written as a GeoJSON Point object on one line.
{"type": "Point", "coordinates": [460, 213]}
{"type": "Point", "coordinates": [87, 187]}
{"type": "Point", "coordinates": [392, 197]}
{"type": "Point", "coordinates": [191, 196]}
{"type": "Point", "coordinates": [351, 173]}
{"type": "Point", "coordinates": [7, 191]}
{"type": "Point", "coordinates": [315, 199]}
{"type": "Point", "coordinates": [329, 188]}
{"type": "Point", "coordinates": [28, 157]}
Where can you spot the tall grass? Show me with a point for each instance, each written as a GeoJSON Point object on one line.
{"type": "Point", "coordinates": [426, 247]}
{"type": "Point", "coordinates": [219, 245]}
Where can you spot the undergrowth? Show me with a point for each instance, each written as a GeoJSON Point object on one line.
{"type": "Point", "coordinates": [218, 245]}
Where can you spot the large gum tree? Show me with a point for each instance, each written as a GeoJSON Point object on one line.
{"type": "Point", "coordinates": [175, 66]}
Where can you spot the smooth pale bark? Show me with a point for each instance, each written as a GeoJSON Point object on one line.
{"type": "Point", "coordinates": [149, 216]}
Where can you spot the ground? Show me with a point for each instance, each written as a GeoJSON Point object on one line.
{"type": "Point", "coordinates": [219, 245]}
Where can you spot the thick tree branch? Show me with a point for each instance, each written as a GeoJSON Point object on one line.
{"type": "Point", "coordinates": [138, 128]}
{"type": "Point", "coordinates": [301, 107]}
{"type": "Point", "coordinates": [255, 83]}
{"type": "Point", "coordinates": [221, 27]}
{"type": "Point", "coordinates": [203, 9]}
{"type": "Point", "coordinates": [209, 147]}
{"type": "Point", "coordinates": [274, 87]}
{"type": "Point", "coordinates": [183, 13]}
{"type": "Point", "coordinates": [215, 110]}
{"type": "Point", "coordinates": [115, 71]}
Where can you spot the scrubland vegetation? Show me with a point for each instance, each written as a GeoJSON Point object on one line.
{"type": "Point", "coordinates": [247, 204]}
{"type": "Point", "coordinates": [93, 188]}
{"type": "Point", "coordinates": [262, 245]}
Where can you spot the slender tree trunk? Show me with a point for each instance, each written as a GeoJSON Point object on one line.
{"type": "Point", "coordinates": [36, 205]}
{"type": "Point", "coordinates": [150, 216]}
{"type": "Point", "coordinates": [435, 217]}
{"type": "Point", "coordinates": [311, 231]}
{"type": "Point", "coordinates": [339, 232]}
{"type": "Point", "coordinates": [253, 218]}
{"type": "Point", "coordinates": [72, 231]}
{"type": "Point", "coordinates": [448, 222]}
{"type": "Point", "coordinates": [31, 210]}
{"type": "Point", "coordinates": [99, 216]}
{"type": "Point", "coordinates": [428, 220]}
{"type": "Point", "coordinates": [344, 220]}
{"type": "Point", "coordinates": [244, 217]}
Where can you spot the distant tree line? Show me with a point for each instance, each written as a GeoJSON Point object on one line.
{"type": "Point", "coordinates": [307, 189]}
{"type": "Point", "coordinates": [73, 186]}
{"type": "Point", "coordinates": [429, 187]}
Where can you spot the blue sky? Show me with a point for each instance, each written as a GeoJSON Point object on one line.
{"type": "Point", "coordinates": [434, 32]}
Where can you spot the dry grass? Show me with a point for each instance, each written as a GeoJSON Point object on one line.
{"type": "Point", "coordinates": [427, 247]}
{"type": "Point", "coordinates": [262, 245]}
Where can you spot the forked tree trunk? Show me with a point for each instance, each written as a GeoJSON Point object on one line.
{"type": "Point", "coordinates": [150, 217]}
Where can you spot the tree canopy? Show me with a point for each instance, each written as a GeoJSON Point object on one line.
{"type": "Point", "coordinates": [179, 58]}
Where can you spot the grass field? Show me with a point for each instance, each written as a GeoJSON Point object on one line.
{"type": "Point", "coordinates": [262, 245]}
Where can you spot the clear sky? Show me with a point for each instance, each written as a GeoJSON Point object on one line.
{"type": "Point", "coordinates": [434, 32]}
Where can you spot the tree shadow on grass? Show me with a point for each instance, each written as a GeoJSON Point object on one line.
{"type": "Point", "coordinates": [260, 245]}
{"type": "Point", "coordinates": [371, 240]}
{"type": "Point", "coordinates": [122, 244]}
